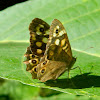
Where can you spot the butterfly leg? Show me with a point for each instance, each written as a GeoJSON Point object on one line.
{"type": "Point", "coordinates": [68, 74]}
{"type": "Point", "coordinates": [70, 82]}
{"type": "Point", "coordinates": [77, 67]}
{"type": "Point", "coordinates": [69, 78]}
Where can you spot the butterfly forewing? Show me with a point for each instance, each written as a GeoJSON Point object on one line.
{"type": "Point", "coordinates": [59, 39]}
{"type": "Point", "coordinates": [39, 33]}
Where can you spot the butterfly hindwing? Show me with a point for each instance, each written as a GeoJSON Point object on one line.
{"type": "Point", "coordinates": [31, 62]}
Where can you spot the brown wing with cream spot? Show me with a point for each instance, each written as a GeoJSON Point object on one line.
{"type": "Point", "coordinates": [39, 33]}
{"type": "Point", "coordinates": [58, 46]}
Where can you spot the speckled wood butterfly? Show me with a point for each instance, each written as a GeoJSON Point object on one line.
{"type": "Point", "coordinates": [49, 54]}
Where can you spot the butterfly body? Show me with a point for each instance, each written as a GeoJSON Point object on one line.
{"type": "Point", "coordinates": [49, 54]}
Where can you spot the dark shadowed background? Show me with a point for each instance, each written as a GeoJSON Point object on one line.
{"type": "Point", "coordinates": [6, 3]}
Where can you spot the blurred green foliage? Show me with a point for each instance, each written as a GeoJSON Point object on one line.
{"type": "Point", "coordinates": [14, 90]}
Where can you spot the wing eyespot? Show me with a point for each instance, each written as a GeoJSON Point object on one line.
{"type": "Point", "coordinates": [56, 31]}
{"type": "Point", "coordinates": [34, 61]}
{"type": "Point", "coordinates": [33, 56]}
{"type": "Point", "coordinates": [44, 62]}
{"type": "Point", "coordinates": [34, 69]}
{"type": "Point", "coordinates": [42, 70]}
{"type": "Point", "coordinates": [41, 29]}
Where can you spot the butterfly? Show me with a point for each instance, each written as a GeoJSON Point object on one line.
{"type": "Point", "coordinates": [49, 54]}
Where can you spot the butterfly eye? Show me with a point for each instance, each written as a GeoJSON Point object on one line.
{"type": "Point", "coordinates": [34, 61]}
{"type": "Point", "coordinates": [44, 62]}
{"type": "Point", "coordinates": [43, 70]}
{"type": "Point", "coordinates": [41, 29]}
{"type": "Point", "coordinates": [56, 30]}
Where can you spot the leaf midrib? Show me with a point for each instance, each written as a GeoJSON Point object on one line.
{"type": "Point", "coordinates": [27, 41]}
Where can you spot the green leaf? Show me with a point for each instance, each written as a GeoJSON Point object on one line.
{"type": "Point", "coordinates": [81, 20]}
